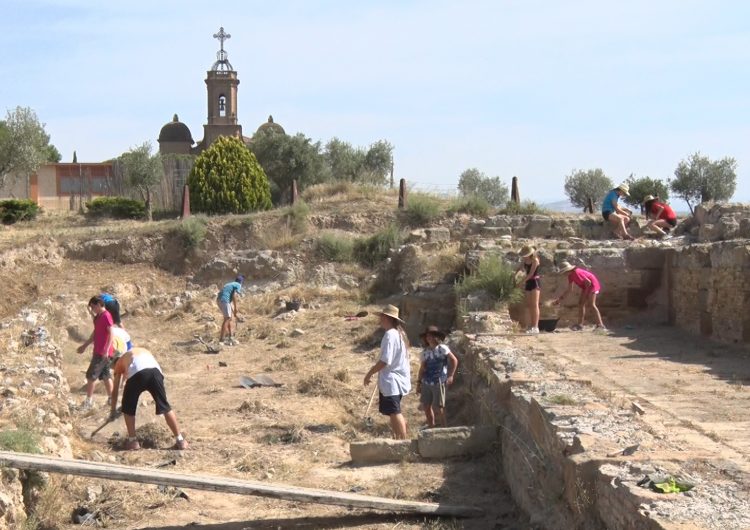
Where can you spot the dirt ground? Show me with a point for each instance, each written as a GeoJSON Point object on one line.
{"type": "Point", "coordinates": [695, 393]}
{"type": "Point", "coordinates": [295, 434]}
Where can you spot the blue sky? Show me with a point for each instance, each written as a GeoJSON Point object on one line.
{"type": "Point", "coordinates": [520, 87]}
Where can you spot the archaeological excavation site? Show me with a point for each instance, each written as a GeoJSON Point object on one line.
{"type": "Point", "coordinates": [642, 423]}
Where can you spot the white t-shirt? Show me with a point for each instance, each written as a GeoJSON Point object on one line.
{"type": "Point", "coordinates": [395, 377]}
{"type": "Point", "coordinates": [121, 342]}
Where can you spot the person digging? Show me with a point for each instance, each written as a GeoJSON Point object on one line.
{"type": "Point", "coordinates": [226, 299]}
{"type": "Point", "coordinates": [143, 374]}
{"type": "Point", "coordinates": [436, 372]}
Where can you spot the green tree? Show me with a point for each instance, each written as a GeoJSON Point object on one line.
{"type": "Point", "coordinates": [698, 179]}
{"type": "Point", "coordinates": [474, 183]}
{"type": "Point", "coordinates": [227, 178]}
{"type": "Point", "coordinates": [142, 171]}
{"type": "Point", "coordinates": [355, 164]}
{"type": "Point", "coordinates": [24, 145]}
{"type": "Point", "coordinates": [640, 187]}
{"type": "Point", "coordinates": [580, 186]}
{"type": "Point", "coordinates": [285, 158]}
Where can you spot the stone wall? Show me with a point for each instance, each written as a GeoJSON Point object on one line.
{"type": "Point", "coordinates": [709, 290]}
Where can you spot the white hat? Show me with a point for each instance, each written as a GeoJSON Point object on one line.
{"type": "Point", "coordinates": [624, 188]}
{"type": "Point", "coordinates": [565, 267]}
{"type": "Point", "coordinates": [391, 311]}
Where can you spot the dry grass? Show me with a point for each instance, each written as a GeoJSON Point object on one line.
{"type": "Point", "coordinates": [323, 385]}
{"type": "Point", "coordinates": [264, 466]}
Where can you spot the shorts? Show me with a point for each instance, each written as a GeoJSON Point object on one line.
{"type": "Point", "coordinates": [671, 222]}
{"type": "Point", "coordinates": [388, 405]}
{"type": "Point", "coordinates": [113, 306]}
{"type": "Point", "coordinates": [225, 308]}
{"type": "Point", "coordinates": [532, 285]}
{"type": "Point", "coordinates": [606, 215]}
{"type": "Point", "coordinates": [433, 395]}
{"type": "Point", "coordinates": [99, 368]}
{"type": "Point", "coordinates": [150, 380]}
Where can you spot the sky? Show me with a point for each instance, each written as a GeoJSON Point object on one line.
{"type": "Point", "coordinates": [525, 88]}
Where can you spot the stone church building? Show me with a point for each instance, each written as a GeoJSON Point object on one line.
{"type": "Point", "coordinates": [221, 92]}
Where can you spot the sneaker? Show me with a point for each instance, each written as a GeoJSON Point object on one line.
{"type": "Point", "coordinates": [232, 342]}
{"type": "Point", "coordinates": [576, 327]}
{"type": "Point", "coordinates": [180, 445]}
{"type": "Point", "coordinates": [600, 328]}
{"type": "Point", "coordinates": [532, 331]}
{"type": "Point", "coordinates": [87, 404]}
{"type": "Point", "coordinates": [132, 445]}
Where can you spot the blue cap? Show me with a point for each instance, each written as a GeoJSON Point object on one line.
{"type": "Point", "coordinates": [240, 278]}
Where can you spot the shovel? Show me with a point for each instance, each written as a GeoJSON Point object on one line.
{"type": "Point", "coordinates": [110, 419]}
{"type": "Point", "coordinates": [368, 418]}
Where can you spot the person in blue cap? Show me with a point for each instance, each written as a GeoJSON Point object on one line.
{"type": "Point", "coordinates": [227, 302]}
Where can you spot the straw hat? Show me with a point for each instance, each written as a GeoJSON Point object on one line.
{"type": "Point", "coordinates": [434, 331]}
{"type": "Point", "coordinates": [526, 251]}
{"type": "Point", "coordinates": [648, 198]}
{"type": "Point", "coordinates": [565, 267]}
{"type": "Point", "coordinates": [391, 311]}
{"type": "Point", "coordinates": [624, 188]}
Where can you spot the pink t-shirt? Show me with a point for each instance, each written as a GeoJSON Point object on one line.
{"type": "Point", "coordinates": [102, 323]}
{"type": "Point", "coordinates": [579, 276]}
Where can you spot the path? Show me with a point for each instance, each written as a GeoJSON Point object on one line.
{"type": "Point", "coordinates": [696, 393]}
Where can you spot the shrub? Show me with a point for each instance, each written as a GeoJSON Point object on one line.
{"type": "Point", "coordinates": [227, 178]}
{"type": "Point", "coordinates": [421, 209]}
{"type": "Point", "coordinates": [21, 440]}
{"type": "Point", "coordinates": [192, 231]}
{"type": "Point", "coordinates": [14, 210]}
{"type": "Point", "coordinates": [372, 250]}
{"type": "Point", "coordinates": [472, 204]}
{"type": "Point", "coordinates": [332, 247]}
{"type": "Point", "coordinates": [494, 276]}
{"type": "Point", "coordinates": [525, 208]}
{"type": "Point", "coordinates": [296, 217]}
{"type": "Point", "coordinates": [640, 187]}
{"type": "Point", "coordinates": [327, 190]}
{"type": "Point", "coordinates": [116, 208]}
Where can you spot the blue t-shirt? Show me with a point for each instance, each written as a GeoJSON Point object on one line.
{"type": "Point", "coordinates": [610, 201]}
{"type": "Point", "coordinates": [435, 364]}
{"type": "Point", "coordinates": [106, 297]}
{"type": "Point", "coordinates": [225, 295]}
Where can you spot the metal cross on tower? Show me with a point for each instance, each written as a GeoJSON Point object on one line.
{"type": "Point", "coordinates": [222, 61]}
{"type": "Point", "coordinates": [222, 36]}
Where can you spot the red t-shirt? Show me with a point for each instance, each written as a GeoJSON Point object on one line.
{"type": "Point", "coordinates": [667, 213]}
{"type": "Point", "coordinates": [102, 323]}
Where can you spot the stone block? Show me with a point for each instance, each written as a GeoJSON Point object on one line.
{"type": "Point", "coordinates": [381, 451]}
{"type": "Point", "coordinates": [437, 234]}
{"type": "Point", "coordinates": [496, 231]}
{"type": "Point", "coordinates": [539, 226]}
{"type": "Point", "coordinates": [455, 441]}
{"type": "Point", "coordinates": [644, 258]}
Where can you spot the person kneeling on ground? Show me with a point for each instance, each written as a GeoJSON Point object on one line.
{"type": "Point", "coordinates": [394, 373]}
{"type": "Point", "coordinates": [661, 215]}
{"type": "Point", "coordinates": [618, 216]}
{"type": "Point", "coordinates": [435, 375]}
{"type": "Point", "coordinates": [143, 373]}
{"type": "Point", "coordinates": [590, 287]}
{"type": "Point", "coordinates": [227, 302]}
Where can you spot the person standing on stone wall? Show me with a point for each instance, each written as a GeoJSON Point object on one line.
{"type": "Point", "coordinates": [436, 373]}
{"type": "Point", "coordinates": [394, 372]}
{"type": "Point", "coordinates": [532, 287]}
{"type": "Point", "coordinates": [226, 299]}
{"type": "Point", "coordinates": [617, 216]}
{"type": "Point", "coordinates": [590, 288]}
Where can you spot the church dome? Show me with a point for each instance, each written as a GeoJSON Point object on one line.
{"type": "Point", "coordinates": [270, 127]}
{"type": "Point", "coordinates": [175, 131]}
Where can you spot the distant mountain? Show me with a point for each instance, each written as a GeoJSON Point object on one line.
{"type": "Point", "coordinates": [561, 206]}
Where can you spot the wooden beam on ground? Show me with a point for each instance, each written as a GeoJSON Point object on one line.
{"type": "Point", "coordinates": [228, 485]}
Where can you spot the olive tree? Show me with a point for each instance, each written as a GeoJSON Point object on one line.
{"type": "Point", "coordinates": [474, 183]}
{"type": "Point", "coordinates": [699, 179]}
{"type": "Point", "coordinates": [24, 144]}
{"type": "Point", "coordinates": [582, 186]}
{"type": "Point", "coordinates": [142, 170]}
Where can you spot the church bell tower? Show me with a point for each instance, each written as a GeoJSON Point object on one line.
{"type": "Point", "coordinates": [221, 85]}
